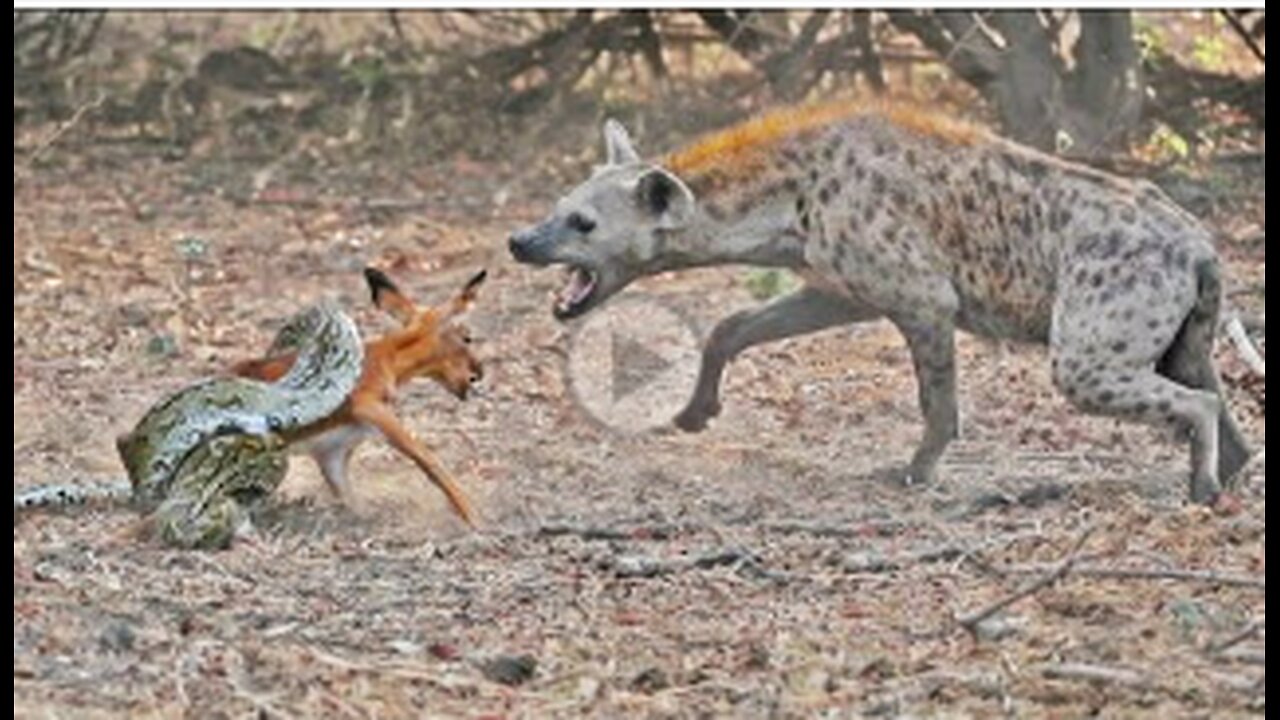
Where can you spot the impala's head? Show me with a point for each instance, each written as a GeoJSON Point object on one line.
{"type": "Point", "coordinates": [431, 342]}
{"type": "Point", "coordinates": [609, 230]}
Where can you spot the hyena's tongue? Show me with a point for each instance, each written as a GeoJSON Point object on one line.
{"type": "Point", "coordinates": [579, 287]}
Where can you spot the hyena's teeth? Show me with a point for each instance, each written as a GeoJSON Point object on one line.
{"type": "Point", "coordinates": [580, 286]}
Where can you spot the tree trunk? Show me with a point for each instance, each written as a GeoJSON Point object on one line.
{"type": "Point", "coordinates": [1084, 99]}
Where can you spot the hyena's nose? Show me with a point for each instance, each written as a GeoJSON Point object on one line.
{"type": "Point", "coordinates": [517, 246]}
{"type": "Point", "coordinates": [522, 246]}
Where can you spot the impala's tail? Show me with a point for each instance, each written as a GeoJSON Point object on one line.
{"type": "Point", "coordinates": [61, 496]}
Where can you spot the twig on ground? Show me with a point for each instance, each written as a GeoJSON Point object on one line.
{"type": "Point", "coordinates": [641, 566]}
{"type": "Point", "coordinates": [53, 137]}
{"type": "Point", "coordinates": [876, 528]}
{"type": "Point", "coordinates": [874, 562]}
{"type": "Point", "coordinates": [1248, 351]}
{"type": "Point", "coordinates": [662, 531]}
{"type": "Point", "coordinates": [342, 705]}
{"type": "Point", "coordinates": [1202, 576]}
{"type": "Point", "coordinates": [401, 670]}
{"type": "Point", "coordinates": [970, 621]}
{"type": "Point", "coordinates": [1096, 674]}
{"type": "Point", "coordinates": [1248, 657]}
{"type": "Point", "coordinates": [1247, 633]}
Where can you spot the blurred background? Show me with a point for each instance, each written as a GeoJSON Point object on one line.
{"type": "Point", "coordinates": [1151, 93]}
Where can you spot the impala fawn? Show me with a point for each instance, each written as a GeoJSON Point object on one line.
{"type": "Point", "coordinates": [429, 343]}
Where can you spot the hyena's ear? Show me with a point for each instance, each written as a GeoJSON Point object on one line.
{"type": "Point", "coordinates": [619, 150]}
{"type": "Point", "coordinates": [387, 297]}
{"type": "Point", "coordinates": [665, 197]}
{"type": "Point", "coordinates": [463, 300]}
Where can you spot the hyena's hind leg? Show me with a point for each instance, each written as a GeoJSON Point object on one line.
{"type": "Point", "coordinates": [1104, 357]}
{"type": "Point", "coordinates": [1189, 361]}
{"type": "Point", "coordinates": [804, 311]}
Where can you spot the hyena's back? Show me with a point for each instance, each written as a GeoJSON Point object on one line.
{"type": "Point", "coordinates": [938, 233]}
{"type": "Point", "coordinates": [906, 217]}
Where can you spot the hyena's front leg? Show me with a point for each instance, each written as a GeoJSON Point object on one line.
{"type": "Point", "coordinates": [933, 352]}
{"type": "Point", "coordinates": [804, 311]}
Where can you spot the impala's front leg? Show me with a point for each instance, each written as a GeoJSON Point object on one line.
{"type": "Point", "coordinates": [804, 311]}
{"type": "Point", "coordinates": [380, 416]}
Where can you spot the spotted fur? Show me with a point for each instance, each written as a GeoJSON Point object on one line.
{"type": "Point", "coordinates": [938, 226]}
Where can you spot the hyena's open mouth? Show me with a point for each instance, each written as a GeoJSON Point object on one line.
{"type": "Point", "coordinates": [578, 292]}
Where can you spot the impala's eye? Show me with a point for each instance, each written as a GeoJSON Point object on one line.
{"type": "Point", "coordinates": [581, 223]}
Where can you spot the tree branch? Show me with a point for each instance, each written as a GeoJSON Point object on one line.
{"type": "Point", "coordinates": [971, 620]}
{"type": "Point", "coordinates": [1240, 29]}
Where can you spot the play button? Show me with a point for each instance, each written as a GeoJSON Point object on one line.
{"type": "Point", "coordinates": [632, 364]}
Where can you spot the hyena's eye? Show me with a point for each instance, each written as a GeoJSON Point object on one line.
{"type": "Point", "coordinates": [580, 223]}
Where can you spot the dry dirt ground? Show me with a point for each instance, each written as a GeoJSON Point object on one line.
{"type": "Point", "coordinates": [764, 568]}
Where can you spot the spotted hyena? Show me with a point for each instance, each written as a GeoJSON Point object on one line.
{"type": "Point", "coordinates": [935, 225]}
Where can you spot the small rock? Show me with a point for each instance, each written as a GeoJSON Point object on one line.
{"type": "Point", "coordinates": [635, 566]}
{"type": "Point", "coordinates": [405, 647]}
{"type": "Point", "coordinates": [881, 668]}
{"type": "Point", "coordinates": [758, 656]}
{"type": "Point", "coordinates": [117, 636]}
{"type": "Point", "coordinates": [869, 561]}
{"type": "Point", "coordinates": [191, 248]}
{"type": "Point", "coordinates": [134, 314]}
{"type": "Point", "coordinates": [510, 670]}
{"type": "Point", "coordinates": [997, 628]}
{"type": "Point", "coordinates": [650, 681]}
{"type": "Point", "coordinates": [1042, 494]}
{"type": "Point", "coordinates": [443, 651]}
{"type": "Point", "coordinates": [162, 345]}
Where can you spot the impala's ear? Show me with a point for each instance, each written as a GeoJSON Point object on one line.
{"type": "Point", "coordinates": [387, 297]}
{"type": "Point", "coordinates": [465, 297]}
{"type": "Point", "coordinates": [618, 148]}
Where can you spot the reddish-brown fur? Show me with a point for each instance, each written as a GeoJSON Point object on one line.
{"type": "Point", "coordinates": [428, 345]}
{"type": "Point", "coordinates": [737, 151]}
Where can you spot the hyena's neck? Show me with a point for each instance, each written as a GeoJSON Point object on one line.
{"type": "Point", "coordinates": [747, 223]}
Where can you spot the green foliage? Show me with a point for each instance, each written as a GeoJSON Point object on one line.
{"type": "Point", "coordinates": [767, 283]}
{"type": "Point", "coordinates": [1149, 38]}
{"type": "Point", "coordinates": [370, 73]}
{"type": "Point", "coordinates": [1209, 51]}
{"type": "Point", "coordinates": [1169, 144]}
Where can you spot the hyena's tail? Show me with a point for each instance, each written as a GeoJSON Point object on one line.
{"type": "Point", "coordinates": [1244, 345]}
{"type": "Point", "coordinates": [63, 496]}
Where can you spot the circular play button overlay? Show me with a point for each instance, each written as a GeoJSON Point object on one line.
{"type": "Point", "coordinates": [632, 364]}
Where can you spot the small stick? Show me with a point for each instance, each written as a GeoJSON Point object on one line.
{"type": "Point", "coordinates": [1243, 32]}
{"type": "Point", "coordinates": [1248, 657]}
{"type": "Point", "coordinates": [1247, 633]}
{"type": "Point", "coordinates": [1248, 351]}
{"type": "Point", "coordinates": [62, 129]}
{"type": "Point", "coordinates": [853, 530]}
{"type": "Point", "coordinates": [970, 621]}
{"type": "Point", "coordinates": [1095, 673]}
{"type": "Point", "coordinates": [594, 532]}
{"type": "Point", "coordinates": [1203, 576]}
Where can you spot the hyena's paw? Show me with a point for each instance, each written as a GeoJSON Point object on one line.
{"type": "Point", "coordinates": [914, 475]}
{"type": "Point", "coordinates": [1205, 490]}
{"type": "Point", "coordinates": [694, 417]}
